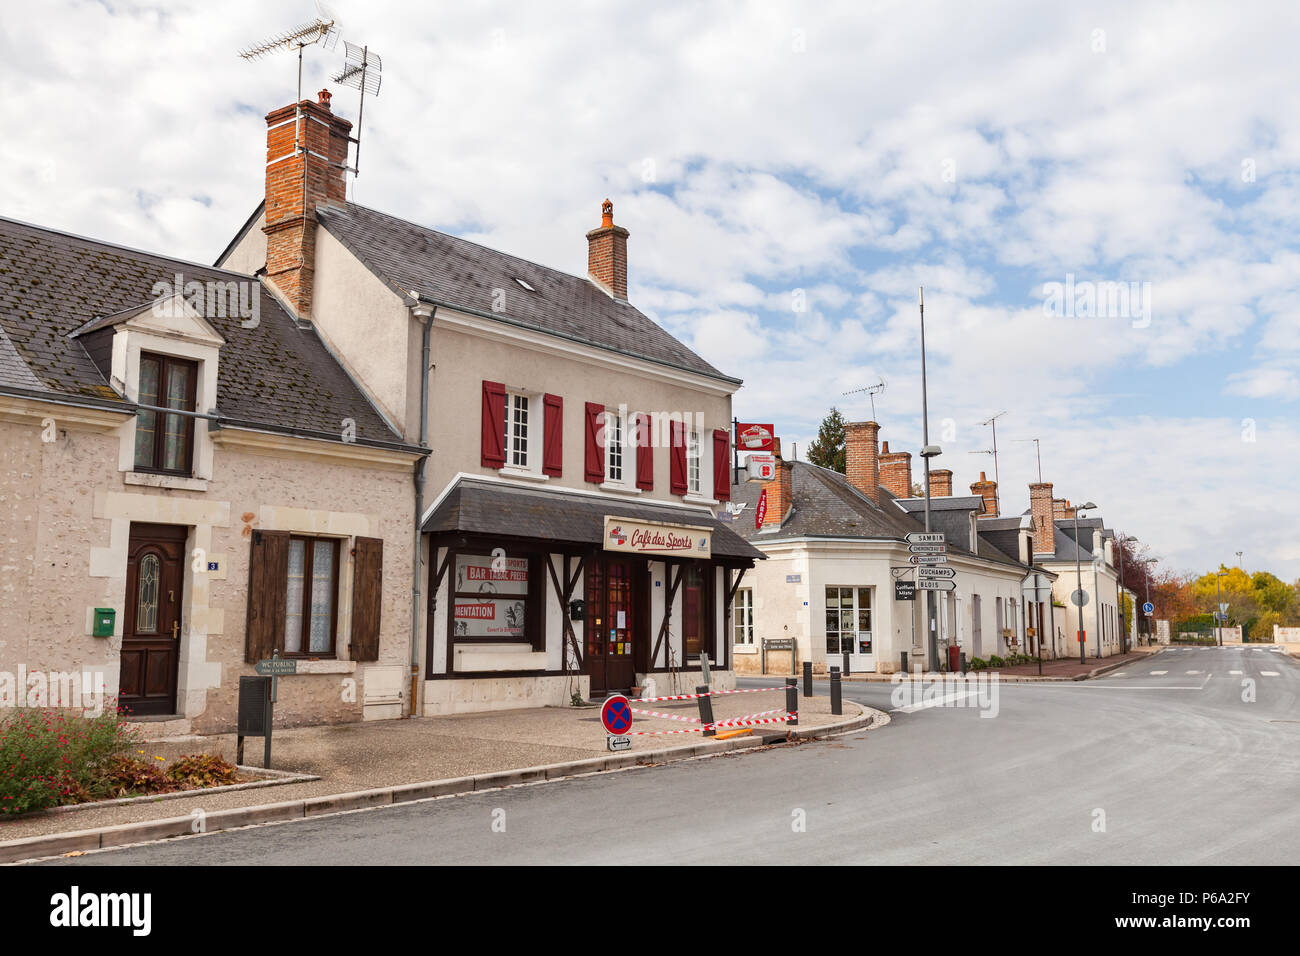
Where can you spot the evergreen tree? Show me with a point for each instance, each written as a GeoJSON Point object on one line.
{"type": "Point", "coordinates": [828, 450]}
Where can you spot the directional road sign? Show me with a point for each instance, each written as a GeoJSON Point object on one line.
{"type": "Point", "coordinates": [927, 548]}
{"type": "Point", "coordinates": [925, 537]}
{"type": "Point", "coordinates": [928, 559]}
{"type": "Point", "coordinates": [930, 571]}
{"type": "Point", "coordinates": [932, 584]}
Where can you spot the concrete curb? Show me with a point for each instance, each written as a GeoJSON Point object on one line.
{"type": "Point", "coordinates": [55, 844]}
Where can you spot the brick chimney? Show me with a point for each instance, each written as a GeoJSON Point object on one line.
{"type": "Point", "coordinates": [1059, 506]}
{"type": "Point", "coordinates": [861, 458]}
{"type": "Point", "coordinates": [1040, 508]}
{"type": "Point", "coordinates": [607, 254]}
{"type": "Point", "coordinates": [988, 490]}
{"type": "Point", "coordinates": [780, 491]}
{"type": "Point", "coordinates": [896, 471]}
{"type": "Point", "coordinates": [296, 181]}
{"type": "Point", "coordinates": [941, 483]}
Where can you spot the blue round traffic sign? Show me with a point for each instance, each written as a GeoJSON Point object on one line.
{"type": "Point", "coordinates": [1148, 608]}
{"type": "Point", "coordinates": [616, 714]}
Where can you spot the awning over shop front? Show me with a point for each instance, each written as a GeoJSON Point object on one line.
{"type": "Point", "coordinates": [489, 508]}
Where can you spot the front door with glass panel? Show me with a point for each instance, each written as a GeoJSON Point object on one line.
{"type": "Point", "coordinates": [610, 626]}
{"type": "Point", "coordinates": [850, 627]}
{"type": "Point", "coordinates": [151, 625]}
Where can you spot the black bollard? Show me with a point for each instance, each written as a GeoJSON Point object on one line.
{"type": "Point", "coordinates": [792, 701]}
{"type": "Point", "coordinates": [844, 671]}
{"type": "Point", "coordinates": [904, 662]}
{"type": "Point", "coordinates": [807, 678]}
{"type": "Point", "coordinates": [706, 710]}
{"type": "Point", "coordinates": [961, 665]}
{"type": "Point", "coordinates": [837, 705]}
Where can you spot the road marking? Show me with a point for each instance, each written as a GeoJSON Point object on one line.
{"type": "Point", "coordinates": [937, 702]}
{"type": "Point", "coordinates": [1270, 673]}
{"type": "Point", "coordinates": [1191, 672]}
{"type": "Point", "coordinates": [1159, 673]}
{"type": "Point", "coordinates": [1234, 672]}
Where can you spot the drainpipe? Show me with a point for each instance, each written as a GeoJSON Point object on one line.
{"type": "Point", "coordinates": [424, 313]}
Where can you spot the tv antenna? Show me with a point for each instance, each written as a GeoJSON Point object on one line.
{"type": "Point", "coordinates": [322, 31]}
{"type": "Point", "coordinates": [872, 391]}
{"type": "Point", "coordinates": [362, 70]}
{"type": "Point", "coordinates": [1038, 450]}
{"type": "Point", "coordinates": [994, 452]}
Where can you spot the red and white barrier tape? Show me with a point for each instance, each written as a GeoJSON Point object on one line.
{"type": "Point", "coordinates": [712, 693]}
{"type": "Point", "coordinates": [748, 720]}
{"type": "Point", "coordinates": [651, 713]}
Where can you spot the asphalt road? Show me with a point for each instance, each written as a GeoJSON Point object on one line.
{"type": "Point", "coordinates": [1163, 762]}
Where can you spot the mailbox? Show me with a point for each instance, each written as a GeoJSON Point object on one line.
{"type": "Point", "coordinates": [105, 618]}
{"type": "Point", "coordinates": [577, 610]}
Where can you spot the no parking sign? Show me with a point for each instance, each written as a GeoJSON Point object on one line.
{"type": "Point", "coordinates": [616, 714]}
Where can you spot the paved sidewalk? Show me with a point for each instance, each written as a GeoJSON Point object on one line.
{"type": "Point", "coordinates": [1057, 670]}
{"type": "Point", "coordinates": [362, 756]}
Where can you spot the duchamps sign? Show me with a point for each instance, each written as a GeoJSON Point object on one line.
{"type": "Point", "coordinates": [652, 537]}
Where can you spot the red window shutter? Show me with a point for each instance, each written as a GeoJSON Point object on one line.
{"type": "Point", "coordinates": [645, 453]}
{"type": "Point", "coordinates": [595, 424]}
{"type": "Point", "coordinates": [721, 465]}
{"type": "Point", "coordinates": [494, 425]}
{"type": "Point", "coordinates": [553, 450]}
{"type": "Point", "coordinates": [677, 457]}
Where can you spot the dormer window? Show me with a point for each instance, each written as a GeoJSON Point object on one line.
{"type": "Point", "coordinates": [165, 443]}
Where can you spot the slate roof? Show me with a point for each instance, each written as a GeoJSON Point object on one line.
{"type": "Point", "coordinates": [465, 276]}
{"type": "Point", "coordinates": [276, 375]}
{"type": "Point", "coordinates": [826, 505]}
{"type": "Point", "coordinates": [491, 508]}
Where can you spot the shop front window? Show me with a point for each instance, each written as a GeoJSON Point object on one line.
{"type": "Point", "coordinates": [848, 621]}
{"type": "Point", "coordinates": [492, 597]}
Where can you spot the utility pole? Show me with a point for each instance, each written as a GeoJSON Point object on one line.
{"type": "Point", "coordinates": [932, 646]}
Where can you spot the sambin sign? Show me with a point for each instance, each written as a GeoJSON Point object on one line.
{"type": "Point", "coordinates": [751, 436]}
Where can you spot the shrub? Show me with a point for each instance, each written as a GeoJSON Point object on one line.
{"type": "Point", "coordinates": [977, 664]}
{"type": "Point", "coordinates": [995, 661]}
{"type": "Point", "coordinates": [132, 777]}
{"type": "Point", "coordinates": [49, 757]}
{"type": "Point", "coordinates": [192, 771]}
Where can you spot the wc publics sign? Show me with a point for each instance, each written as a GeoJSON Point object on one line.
{"type": "Point", "coordinates": [653, 537]}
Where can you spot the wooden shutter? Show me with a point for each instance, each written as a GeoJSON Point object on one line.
{"type": "Point", "coordinates": [494, 425]}
{"type": "Point", "coordinates": [721, 465]}
{"type": "Point", "coordinates": [268, 580]}
{"type": "Point", "coordinates": [645, 453]}
{"type": "Point", "coordinates": [367, 597]}
{"type": "Point", "coordinates": [594, 415]}
{"type": "Point", "coordinates": [677, 457]}
{"type": "Point", "coordinates": [553, 436]}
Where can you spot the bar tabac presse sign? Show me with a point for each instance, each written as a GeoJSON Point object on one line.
{"type": "Point", "coordinates": [651, 537]}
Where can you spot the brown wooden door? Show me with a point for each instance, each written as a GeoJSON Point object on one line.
{"type": "Point", "coordinates": [151, 633]}
{"type": "Point", "coordinates": [611, 627]}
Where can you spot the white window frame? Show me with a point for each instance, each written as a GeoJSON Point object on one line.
{"type": "Point", "coordinates": [620, 454]}
{"type": "Point", "coordinates": [742, 633]}
{"type": "Point", "coordinates": [694, 463]}
{"type": "Point", "coordinates": [532, 451]}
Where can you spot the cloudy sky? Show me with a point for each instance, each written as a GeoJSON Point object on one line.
{"type": "Point", "coordinates": [790, 174]}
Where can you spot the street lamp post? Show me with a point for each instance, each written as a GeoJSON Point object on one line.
{"type": "Point", "coordinates": [928, 451]}
{"type": "Point", "coordinates": [1218, 608]}
{"type": "Point", "coordinates": [1078, 581]}
{"type": "Point", "coordinates": [1147, 578]}
{"type": "Point", "coordinates": [1120, 541]}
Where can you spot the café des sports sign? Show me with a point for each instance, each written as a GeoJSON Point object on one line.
{"type": "Point", "coordinates": [651, 538]}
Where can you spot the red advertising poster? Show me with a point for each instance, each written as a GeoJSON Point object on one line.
{"type": "Point", "coordinates": [761, 511]}
{"type": "Point", "coordinates": [751, 436]}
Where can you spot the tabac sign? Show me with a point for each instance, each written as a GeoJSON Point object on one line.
{"type": "Point", "coordinates": [651, 537]}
